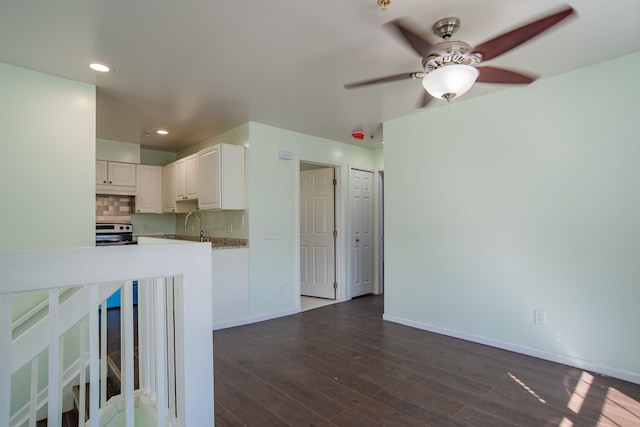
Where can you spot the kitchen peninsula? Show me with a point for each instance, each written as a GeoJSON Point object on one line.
{"type": "Point", "coordinates": [216, 242]}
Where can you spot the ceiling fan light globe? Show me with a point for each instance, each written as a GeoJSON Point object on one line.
{"type": "Point", "coordinates": [450, 80]}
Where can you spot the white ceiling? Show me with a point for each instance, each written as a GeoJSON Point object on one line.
{"type": "Point", "coordinates": [201, 67]}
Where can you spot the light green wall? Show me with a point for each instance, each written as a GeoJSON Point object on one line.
{"type": "Point", "coordinates": [47, 166]}
{"type": "Point", "coordinates": [47, 172]}
{"type": "Point", "coordinates": [378, 156]}
{"type": "Point", "coordinates": [272, 197]}
{"type": "Point", "coordinates": [153, 224]}
{"type": "Point", "coordinates": [156, 157]}
{"type": "Point", "coordinates": [526, 198]}
{"type": "Point", "coordinates": [117, 151]}
{"type": "Point", "coordinates": [235, 136]}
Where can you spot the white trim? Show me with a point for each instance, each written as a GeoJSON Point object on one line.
{"type": "Point", "coordinates": [529, 351]}
{"type": "Point", "coordinates": [378, 232]}
{"type": "Point", "coordinates": [255, 319]}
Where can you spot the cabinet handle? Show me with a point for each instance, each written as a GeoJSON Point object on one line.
{"type": "Point", "coordinates": [110, 182]}
{"type": "Point", "coordinates": [104, 182]}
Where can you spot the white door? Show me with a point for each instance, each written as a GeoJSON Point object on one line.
{"type": "Point", "coordinates": [317, 241]}
{"type": "Point", "coordinates": [361, 232]}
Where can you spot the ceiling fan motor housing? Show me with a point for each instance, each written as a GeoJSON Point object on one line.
{"type": "Point", "coordinates": [450, 52]}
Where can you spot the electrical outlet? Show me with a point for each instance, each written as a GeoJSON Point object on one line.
{"type": "Point", "coordinates": [539, 316]}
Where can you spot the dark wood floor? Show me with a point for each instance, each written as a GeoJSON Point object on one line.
{"type": "Point", "coordinates": [343, 365]}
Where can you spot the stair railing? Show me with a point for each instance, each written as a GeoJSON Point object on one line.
{"type": "Point", "coordinates": [174, 327]}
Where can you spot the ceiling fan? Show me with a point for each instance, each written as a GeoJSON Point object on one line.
{"type": "Point", "coordinates": [449, 67]}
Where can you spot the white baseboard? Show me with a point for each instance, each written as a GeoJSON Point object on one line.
{"type": "Point", "coordinates": [633, 377]}
{"type": "Point", "coordinates": [254, 319]}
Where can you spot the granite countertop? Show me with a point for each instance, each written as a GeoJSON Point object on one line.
{"type": "Point", "coordinates": [216, 242]}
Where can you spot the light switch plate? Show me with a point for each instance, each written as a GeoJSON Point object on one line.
{"type": "Point", "coordinates": [269, 234]}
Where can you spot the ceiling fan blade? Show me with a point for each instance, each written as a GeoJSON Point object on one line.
{"type": "Point", "coordinates": [500, 75]}
{"type": "Point", "coordinates": [501, 44]}
{"type": "Point", "coordinates": [424, 100]}
{"type": "Point", "coordinates": [393, 78]}
{"type": "Point", "coordinates": [421, 46]}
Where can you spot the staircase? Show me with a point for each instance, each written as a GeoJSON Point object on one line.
{"type": "Point", "coordinates": [74, 310]}
{"type": "Point", "coordinates": [113, 385]}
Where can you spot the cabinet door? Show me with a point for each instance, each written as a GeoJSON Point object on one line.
{"type": "Point", "coordinates": [192, 177]}
{"type": "Point", "coordinates": [180, 179]}
{"type": "Point", "coordinates": [232, 178]}
{"type": "Point", "coordinates": [122, 173]}
{"type": "Point", "coordinates": [101, 172]}
{"type": "Point", "coordinates": [209, 178]}
{"type": "Point", "coordinates": [168, 188]}
{"type": "Point", "coordinates": [148, 189]}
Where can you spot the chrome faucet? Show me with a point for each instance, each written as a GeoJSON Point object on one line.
{"type": "Point", "coordinates": [186, 219]}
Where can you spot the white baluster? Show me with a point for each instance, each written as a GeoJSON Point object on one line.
{"type": "Point", "coordinates": [83, 373]}
{"type": "Point", "coordinates": [161, 351]}
{"type": "Point", "coordinates": [103, 354]}
{"type": "Point", "coordinates": [54, 361]}
{"type": "Point", "coordinates": [33, 402]}
{"type": "Point", "coordinates": [171, 363]}
{"type": "Point", "coordinates": [127, 352]}
{"type": "Point", "coordinates": [143, 324]}
{"type": "Point", "coordinates": [94, 357]}
{"type": "Point", "coordinates": [5, 358]}
{"type": "Point", "coordinates": [146, 336]}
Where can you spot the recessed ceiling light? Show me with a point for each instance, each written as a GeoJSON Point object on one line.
{"type": "Point", "coordinates": [100, 67]}
{"type": "Point", "coordinates": [162, 132]}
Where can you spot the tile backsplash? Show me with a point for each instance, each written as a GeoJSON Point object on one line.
{"type": "Point", "coordinates": [116, 209]}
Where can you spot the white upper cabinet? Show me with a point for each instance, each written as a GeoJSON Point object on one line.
{"type": "Point", "coordinates": [122, 173]}
{"type": "Point", "coordinates": [115, 177]}
{"type": "Point", "coordinates": [168, 188]}
{"type": "Point", "coordinates": [102, 174]}
{"type": "Point", "coordinates": [148, 189]}
{"type": "Point", "coordinates": [192, 177]}
{"type": "Point", "coordinates": [180, 179]}
{"type": "Point", "coordinates": [186, 178]}
{"type": "Point", "coordinates": [221, 178]}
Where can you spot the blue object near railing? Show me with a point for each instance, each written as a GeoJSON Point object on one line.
{"type": "Point", "coordinates": [114, 300]}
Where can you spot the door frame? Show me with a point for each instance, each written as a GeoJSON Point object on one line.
{"type": "Point", "coordinates": [339, 224]}
{"type": "Point", "coordinates": [378, 221]}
